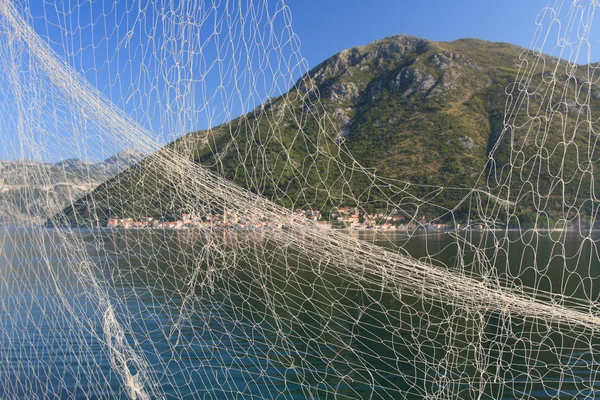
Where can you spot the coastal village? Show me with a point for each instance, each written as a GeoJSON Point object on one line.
{"type": "Point", "coordinates": [341, 218]}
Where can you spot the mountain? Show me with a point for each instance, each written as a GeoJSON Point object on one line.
{"type": "Point", "coordinates": [408, 110]}
{"type": "Point", "coordinates": [100, 171]}
{"type": "Point", "coordinates": [74, 165]}
{"type": "Point", "coordinates": [31, 191]}
{"type": "Point", "coordinates": [120, 161]}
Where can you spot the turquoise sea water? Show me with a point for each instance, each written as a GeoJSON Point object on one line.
{"type": "Point", "coordinates": [229, 315]}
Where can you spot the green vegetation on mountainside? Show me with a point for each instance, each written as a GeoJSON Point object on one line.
{"type": "Point", "coordinates": [407, 110]}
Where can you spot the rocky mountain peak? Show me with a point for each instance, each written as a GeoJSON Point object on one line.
{"type": "Point", "coordinates": [360, 57]}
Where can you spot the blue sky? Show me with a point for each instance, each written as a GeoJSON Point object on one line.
{"type": "Point", "coordinates": [329, 26]}
{"type": "Point", "coordinates": [324, 27]}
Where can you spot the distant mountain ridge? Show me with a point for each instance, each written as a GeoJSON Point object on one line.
{"type": "Point", "coordinates": [31, 191]}
{"type": "Point", "coordinates": [102, 170]}
{"type": "Point", "coordinates": [410, 109]}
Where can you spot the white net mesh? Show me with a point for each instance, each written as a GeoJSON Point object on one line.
{"type": "Point", "coordinates": [214, 267]}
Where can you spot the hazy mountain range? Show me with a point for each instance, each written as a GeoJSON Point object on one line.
{"type": "Point", "coordinates": [408, 109]}
{"type": "Point", "coordinates": [31, 191]}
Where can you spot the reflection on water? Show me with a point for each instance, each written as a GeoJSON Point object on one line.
{"type": "Point", "coordinates": [230, 315]}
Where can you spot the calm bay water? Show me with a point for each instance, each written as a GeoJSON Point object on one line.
{"type": "Point", "coordinates": [231, 316]}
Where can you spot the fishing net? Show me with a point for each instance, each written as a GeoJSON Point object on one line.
{"type": "Point", "coordinates": [258, 250]}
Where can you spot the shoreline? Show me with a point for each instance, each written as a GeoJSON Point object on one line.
{"type": "Point", "coordinates": [268, 228]}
